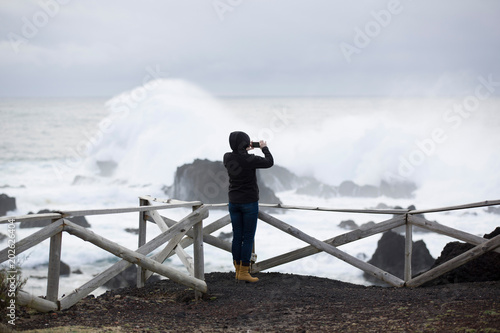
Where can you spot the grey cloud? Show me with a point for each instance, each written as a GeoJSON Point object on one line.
{"type": "Point", "coordinates": [261, 47]}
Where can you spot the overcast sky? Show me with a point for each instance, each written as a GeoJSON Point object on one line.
{"type": "Point", "coordinates": [249, 47]}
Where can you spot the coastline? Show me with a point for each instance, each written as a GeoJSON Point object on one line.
{"type": "Point", "coordinates": [279, 302]}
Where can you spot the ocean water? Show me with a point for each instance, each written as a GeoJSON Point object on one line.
{"type": "Point", "coordinates": [51, 149]}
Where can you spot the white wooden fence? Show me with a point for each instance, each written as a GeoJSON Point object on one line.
{"type": "Point", "coordinates": [190, 231]}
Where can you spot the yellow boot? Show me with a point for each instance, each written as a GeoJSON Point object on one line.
{"type": "Point", "coordinates": [244, 274]}
{"type": "Point", "coordinates": [236, 269]}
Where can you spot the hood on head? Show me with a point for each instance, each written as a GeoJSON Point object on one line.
{"type": "Point", "coordinates": [239, 141]}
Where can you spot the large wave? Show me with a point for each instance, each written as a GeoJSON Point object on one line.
{"type": "Point", "coordinates": [155, 128]}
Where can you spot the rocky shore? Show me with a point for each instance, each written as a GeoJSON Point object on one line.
{"type": "Point", "coordinates": [279, 303]}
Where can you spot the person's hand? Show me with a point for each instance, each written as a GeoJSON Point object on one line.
{"type": "Point", "coordinates": [262, 144]}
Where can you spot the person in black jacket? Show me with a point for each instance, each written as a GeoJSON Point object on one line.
{"type": "Point", "coordinates": [244, 198]}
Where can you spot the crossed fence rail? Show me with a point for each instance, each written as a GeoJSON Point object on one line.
{"type": "Point", "coordinates": [175, 236]}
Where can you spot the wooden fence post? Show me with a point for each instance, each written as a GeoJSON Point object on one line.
{"type": "Point", "coordinates": [199, 260]}
{"type": "Point", "coordinates": [141, 272]}
{"type": "Point", "coordinates": [54, 269]}
{"type": "Point", "coordinates": [408, 249]}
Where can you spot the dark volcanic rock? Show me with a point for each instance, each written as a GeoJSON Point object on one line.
{"type": "Point", "coordinates": [134, 231]}
{"type": "Point", "coordinates": [64, 269]}
{"type": "Point", "coordinates": [368, 191]}
{"type": "Point", "coordinates": [492, 234]}
{"type": "Point", "coordinates": [226, 236]}
{"type": "Point", "coordinates": [314, 187]}
{"type": "Point", "coordinates": [397, 189]}
{"type": "Point", "coordinates": [367, 225]}
{"type": "Point", "coordinates": [484, 268]}
{"type": "Point", "coordinates": [390, 256]}
{"type": "Point", "coordinates": [6, 204]}
{"type": "Point", "coordinates": [79, 220]}
{"type": "Point", "coordinates": [348, 224]}
{"type": "Point", "coordinates": [493, 210]}
{"type": "Point", "coordinates": [393, 190]}
{"type": "Point", "coordinates": [351, 225]}
{"type": "Point", "coordinates": [348, 189]}
{"type": "Point", "coordinates": [207, 181]}
{"type": "Point", "coordinates": [280, 179]}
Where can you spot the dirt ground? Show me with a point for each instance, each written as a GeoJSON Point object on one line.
{"type": "Point", "coordinates": [278, 303]}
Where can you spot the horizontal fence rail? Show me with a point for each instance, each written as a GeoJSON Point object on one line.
{"type": "Point", "coordinates": [175, 236]}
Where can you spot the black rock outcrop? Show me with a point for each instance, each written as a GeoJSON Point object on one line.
{"type": "Point", "coordinates": [281, 179]}
{"type": "Point", "coordinates": [7, 204]}
{"type": "Point", "coordinates": [390, 256]}
{"type": "Point", "coordinates": [493, 210]}
{"type": "Point", "coordinates": [64, 269]}
{"type": "Point", "coordinates": [207, 181]}
{"type": "Point", "coordinates": [483, 268]}
{"type": "Point", "coordinates": [348, 224]}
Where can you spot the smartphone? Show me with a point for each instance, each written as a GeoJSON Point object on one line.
{"type": "Point", "coordinates": [255, 144]}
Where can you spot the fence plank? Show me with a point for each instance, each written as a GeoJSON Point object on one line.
{"type": "Point", "coordinates": [37, 303]}
{"type": "Point", "coordinates": [370, 269]}
{"type": "Point", "coordinates": [183, 255]}
{"type": "Point", "coordinates": [168, 251]}
{"type": "Point", "coordinates": [106, 211]}
{"type": "Point", "coordinates": [186, 259]}
{"type": "Point", "coordinates": [466, 206]}
{"type": "Point", "coordinates": [172, 201]}
{"type": "Point", "coordinates": [91, 285]}
{"type": "Point", "coordinates": [217, 224]}
{"type": "Point", "coordinates": [158, 220]}
{"type": "Point", "coordinates": [338, 210]}
{"type": "Point", "coordinates": [455, 262]}
{"type": "Point", "coordinates": [134, 257]}
{"type": "Point", "coordinates": [209, 239]}
{"type": "Point", "coordinates": [30, 217]}
{"type": "Point", "coordinates": [33, 239]}
{"type": "Point", "coordinates": [447, 231]}
{"type": "Point", "coordinates": [212, 240]}
{"type": "Point", "coordinates": [335, 241]}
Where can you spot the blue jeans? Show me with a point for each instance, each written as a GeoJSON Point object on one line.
{"type": "Point", "coordinates": [244, 222]}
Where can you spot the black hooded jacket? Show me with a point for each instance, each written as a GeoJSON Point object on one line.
{"type": "Point", "coordinates": [241, 168]}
